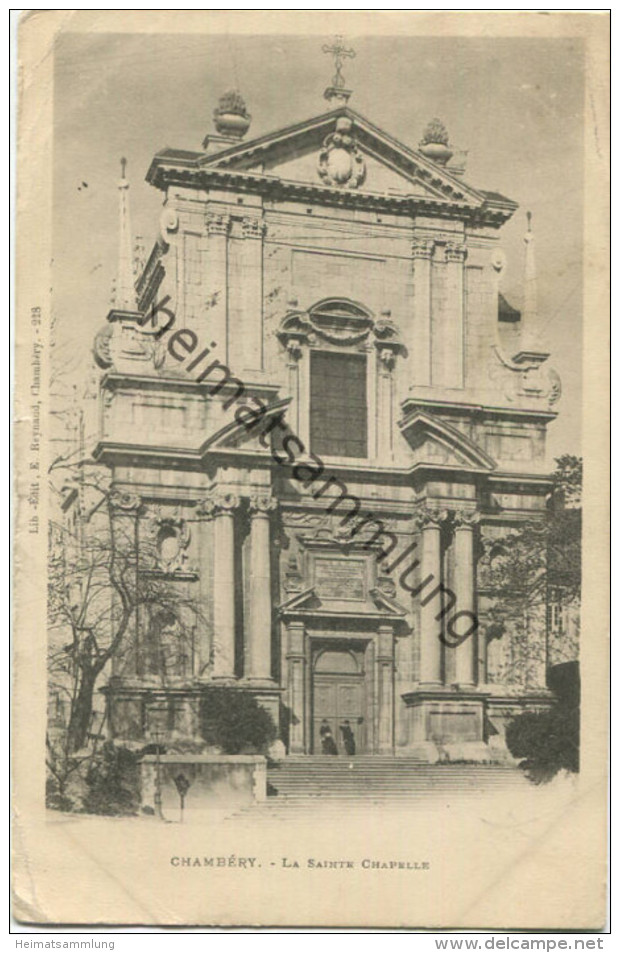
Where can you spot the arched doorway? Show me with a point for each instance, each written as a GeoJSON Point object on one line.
{"type": "Point", "coordinates": [338, 696]}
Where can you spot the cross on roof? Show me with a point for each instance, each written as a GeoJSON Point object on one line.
{"type": "Point", "coordinates": [339, 51]}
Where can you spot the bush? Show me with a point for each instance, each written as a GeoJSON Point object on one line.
{"type": "Point", "coordinates": [235, 722]}
{"type": "Point", "coordinates": [546, 741]}
{"type": "Point", "coordinates": [113, 782]}
{"type": "Point", "coordinates": [55, 798]}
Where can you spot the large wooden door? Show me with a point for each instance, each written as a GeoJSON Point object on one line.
{"type": "Point", "coordinates": [338, 696]}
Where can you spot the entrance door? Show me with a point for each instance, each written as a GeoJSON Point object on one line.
{"type": "Point", "coordinates": [338, 696]}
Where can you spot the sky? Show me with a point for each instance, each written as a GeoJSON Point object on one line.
{"type": "Point", "coordinates": [515, 105]}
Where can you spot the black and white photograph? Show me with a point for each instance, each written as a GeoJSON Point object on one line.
{"type": "Point", "coordinates": [306, 435]}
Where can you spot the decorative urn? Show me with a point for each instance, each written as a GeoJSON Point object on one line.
{"type": "Point", "coordinates": [435, 143]}
{"type": "Point", "coordinates": [231, 116]}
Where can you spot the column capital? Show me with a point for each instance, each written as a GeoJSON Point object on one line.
{"type": "Point", "coordinates": [253, 227]}
{"type": "Point", "coordinates": [218, 223]}
{"type": "Point", "coordinates": [465, 519]}
{"type": "Point", "coordinates": [387, 358]}
{"type": "Point", "coordinates": [219, 500]}
{"type": "Point", "coordinates": [422, 248]}
{"type": "Point", "coordinates": [294, 349]}
{"type": "Point", "coordinates": [455, 251]}
{"type": "Point", "coordinates": [261, 502]}
{"type": "Point", "coordinates": [431, 517]}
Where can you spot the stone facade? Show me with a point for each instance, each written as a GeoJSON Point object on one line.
{"type": "Point", "coordinates": [333, 587]}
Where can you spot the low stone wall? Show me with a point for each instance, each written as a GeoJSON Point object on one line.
{"type": "Point", "coordinates": [210, 781]}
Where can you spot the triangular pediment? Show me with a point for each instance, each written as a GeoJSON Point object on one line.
{"type": "Point", "coordinates": [433, 442]}
{"type": "Point", "coordinates": [390, 166]}
{"type": "Point", "coordinates": [377, 608]}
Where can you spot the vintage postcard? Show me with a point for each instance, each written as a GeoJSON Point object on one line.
{"type": "Point", "coordinates": [311, 470]}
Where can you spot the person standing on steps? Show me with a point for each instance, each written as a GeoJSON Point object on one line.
{"type": "Point", "coordinates": [328, 745]}
{"type": "Point", "coordinates": [348, 738]}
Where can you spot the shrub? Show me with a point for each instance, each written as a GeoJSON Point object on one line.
{"type": "Point", "coordinates": [235, 722]}
{"type": "Point", "coordinates": [113, 782]}
{"type": "Point", "coordinates": [547, 742]}
{"type": "Point", "coordinates": [55, 798]}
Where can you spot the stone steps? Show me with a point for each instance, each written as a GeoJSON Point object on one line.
{"type": "Point", "coordinates": [384, 778]}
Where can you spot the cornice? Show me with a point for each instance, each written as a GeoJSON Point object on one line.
{"type": "Point", "coordinates": [164, 172]}
{"type": "Point", "coordinates": [114, 452]}
{"type": "Point", "coordinates": [410, 404]}
{"type": "Point", "coordinates": [114, 380]}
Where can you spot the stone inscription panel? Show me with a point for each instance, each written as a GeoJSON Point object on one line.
{"type": "Point", "coordinates": [340, 579]}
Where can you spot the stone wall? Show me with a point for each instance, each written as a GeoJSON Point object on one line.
{"type": "Point", "coordinates": [211, 781]}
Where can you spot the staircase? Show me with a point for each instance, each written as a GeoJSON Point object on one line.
{"type": "Point", "coordinates": [383, 778]}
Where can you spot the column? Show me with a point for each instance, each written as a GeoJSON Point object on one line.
{"type": "Point", "coordinates": [258, 648]}
{"type": "Point", "coordinates": [464, 585]}
{"type": "Point", "coordinates": [225, 504]}
{"type": "Point", "coordinates": [296, 659]}
{"type": "Point", "coordinates": [218, 224]}
{"type": "Point", "coordinates": [204, 513]}
{"type": "Point", "coordinates": [419, 338]}
{"type": "Point", "coordinates": [449, 655]}
{"type": "Point", "coordinates": [385, 686]}
{"type": "Point", "coordinates": [430, 627]}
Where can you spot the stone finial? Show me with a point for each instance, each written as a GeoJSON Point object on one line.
{"type": "Point", "coordinates": [435, 143]}
{"type": "Point", "coordinates": [231, 116]}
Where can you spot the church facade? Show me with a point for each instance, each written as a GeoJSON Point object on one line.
{"type": "Point", "coordinates": [322, 415]}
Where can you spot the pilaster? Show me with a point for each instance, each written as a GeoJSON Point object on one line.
{"type": "Point", "coordinates": [385, 404]}
{"type": "Point", "coordinates": [385, 686]}
{"type": "Point", "coordinates": [296, 659]}
{"type": "Point", "coordinates": [218, 227]}
{"type": "Point", "coordinates": [447, 317]}
{"type": "Point", "coordinates": [418, 339]}
{"type": "Point", "coordinates": [250, 285]}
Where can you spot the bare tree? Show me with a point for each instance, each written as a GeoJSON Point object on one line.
{"type": "Point", "coordinates": [531, 579]}
{"type": "Point", "coordinates": [104, 593]}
